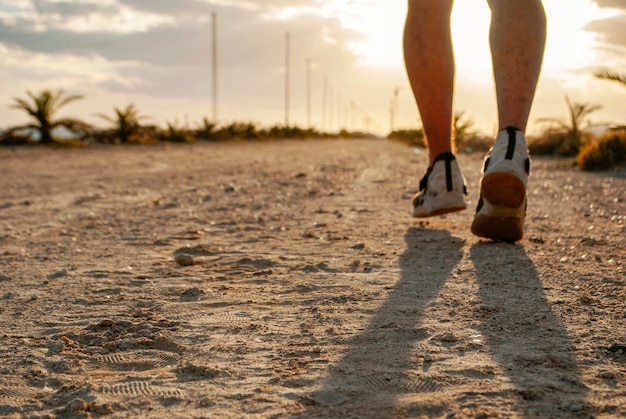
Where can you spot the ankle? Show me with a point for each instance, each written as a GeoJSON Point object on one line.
{"type": "Point", "coordinates": [433, 154]}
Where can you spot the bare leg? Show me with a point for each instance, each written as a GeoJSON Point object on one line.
{"type": "Point", "coordinates": [517, 38]}
{"type": "Point", "coordinates": [430, 66]}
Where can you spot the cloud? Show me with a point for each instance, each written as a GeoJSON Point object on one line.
{"type": "Point", "coordinates": [611, 31]}
{"type": "Point", "coordinates": [613, 4]}
{"type": "Point", "coordinates": [163, 47]}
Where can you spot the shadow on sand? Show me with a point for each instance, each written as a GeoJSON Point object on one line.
{"type": "Point", "coordinates": [521, 334]}
{"type": "Point", "coordinates": [377, 366]}
{"type": "Point", "coordinates": [524, 336]}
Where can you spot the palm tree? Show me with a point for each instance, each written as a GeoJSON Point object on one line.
{"type": "Point", "coordinates": [607, 74]}
{"type": "Point", "coordinates": [125, 122]}
{"type": "Point", "coordinates": [571, 138]}
{"type": "Point", "coordinates": [43, 108]}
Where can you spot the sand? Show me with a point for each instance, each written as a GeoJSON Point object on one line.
{"type": "Point", "coordinates": [287, 279]}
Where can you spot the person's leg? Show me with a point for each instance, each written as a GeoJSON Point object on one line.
{"type": "Point", "coordinates": [429, 62]}
{"type": "Point", "coordinates": [518, 32]}
{"type": "Point", "coordinates": [517, 37]}
{"type": "Point", "coordinates": [430, 66]}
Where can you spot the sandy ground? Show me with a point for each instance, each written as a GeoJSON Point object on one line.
{"type": "Point", "coordinates": [287, 279]}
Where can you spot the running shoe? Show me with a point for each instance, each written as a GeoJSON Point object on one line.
{"type": "Point", "coordinates": [441, 189]}
{"type": "Point", "coordinates": [501, 208]}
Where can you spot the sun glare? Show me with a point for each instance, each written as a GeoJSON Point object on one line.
{"type": "Point", "coordinates": [569, 46]}
{"type": "Point", "coordinates": [381, 23]}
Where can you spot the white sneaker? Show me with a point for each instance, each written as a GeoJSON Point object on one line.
{"type": "Point", "coordinates": [502, 205]}
{"type": "Point", "coordinates": [441, 189]}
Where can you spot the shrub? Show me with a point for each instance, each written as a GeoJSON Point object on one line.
{"type": "Point", "coordinates": [410, 137]}
{"type": "Point", "coordinates": [558, 142]}
{"type": "Point", "coordinates": [474, 142]}
{"type": "Point", "coordinates": [604, 153]}
{"type": "Point", "coordinates": [175, 134]}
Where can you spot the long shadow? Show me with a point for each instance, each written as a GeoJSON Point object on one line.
{"type": "Point", "coordinates": [523, 334]}
{"type": "Point", "coordinates": [377, 367]}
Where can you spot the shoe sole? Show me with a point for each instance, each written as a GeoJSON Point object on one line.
{"type": "Point", "coordinates": [504, 195]}
{"type": "Point", "coordinates": [503, 189]}
{"type": "Point", "coordinates": [449, 202]}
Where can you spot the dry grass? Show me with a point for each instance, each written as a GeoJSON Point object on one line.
{"type": "Point", "coordinates": [605, 152]}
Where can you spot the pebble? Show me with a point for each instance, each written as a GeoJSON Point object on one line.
{"type": "Point", "coordinates": [586, 299]}
{"type": "Point", "coordinates": [616, 348]}
{"type": "Point", "coordinates": [449, 337]}
{"type": "Point", "coordinates": [229, 188]}
{"type": "Point", "coordinates": [57, 275]}
{"type": "Point", "coordinates": [607, 375]}
{"type": "Point", "coordinates": [184, 260]}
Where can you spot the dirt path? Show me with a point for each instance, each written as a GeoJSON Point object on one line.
{"type": "Point", "coordinates": [287, 280]}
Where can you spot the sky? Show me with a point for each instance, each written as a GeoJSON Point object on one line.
{"type": "Point", "coordinates": [157, 54]}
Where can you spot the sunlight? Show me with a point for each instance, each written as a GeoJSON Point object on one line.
{"type": "Point", "coordinates": [470, 34]}
{"type": "Point", "coordinates": [568, 45]}
{"type": "Point", "coordinates": [381, 22]}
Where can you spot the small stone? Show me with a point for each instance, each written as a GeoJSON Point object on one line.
{"type": "Point", "coordinates": [229, 188]}
{"type": "Point", "coordinates": [359, 246]}
{"type": "Point", "coordinates": [57, 275]}
{"type": "Point", "coordinates": [449, 337]}
{"type": "Point", "coordinates": [428, 358]}
{"type": "Point", "coordinates": [487, 307]}
{"type": "Point", "coordinates": [184, 260]}
{"type": "Point", "coordinates": [616, 348]}
{"type": "Point", "coordinates": [586, 299]}
{"type": "Point", "coordinates": [608, 375]}
{"type": "Point", "coordinates": [192, 294]}
{"type": "Point", "coordinates": [575, 407]}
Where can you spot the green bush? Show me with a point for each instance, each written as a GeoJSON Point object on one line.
{"type": "Point", "coordinates": [604, 153]}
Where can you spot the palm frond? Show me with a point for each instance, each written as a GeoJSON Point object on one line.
{"type": "Point", "coordinates": [611, 75]}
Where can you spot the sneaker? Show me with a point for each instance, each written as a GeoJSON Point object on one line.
{"type": "Point", "coordinates": [501, 208]}
{"type": "Point", "coordinates": [441, 189]}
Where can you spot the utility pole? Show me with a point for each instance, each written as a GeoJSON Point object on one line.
{"type": "Point", "coordinates": [214, 65]}
{"type": "Point", "coordinates": [324, 100]}
{"type": "Point", "coordinates": [287, 76]}
{"type": "Point", "coordinates": [308, 93]}
{"type": "Point", "coordinates": [331, 108]}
